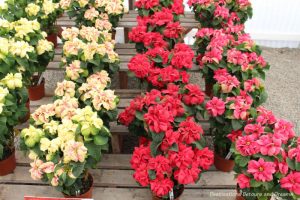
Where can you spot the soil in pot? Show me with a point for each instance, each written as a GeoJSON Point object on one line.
{"type": "Point", "coordinates": [222, 164]}
{"type": "Point", "coordinates": [8, 163]}
{"type": "Point", "coordinates": [177, 194]}
{"type": "Point", "coordinates": [87, 189]}
{"type": "Point", "coordinates": [37, 92]}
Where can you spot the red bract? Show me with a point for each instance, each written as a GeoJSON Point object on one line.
{"type": "Point", "coordinates": [182, 57]}
{"type": "Point", "coordinates": [194, 95]}
{"type": "Point", "coordinates": [146, 3]}
{"type": "Point", "coordinates": [161, 187]}
{"type": "Point", "coordinates": [162, 18]}
{"type": "Point", "coordinates": [173, 30]}
{"type": "Point", "coordinates": [189, 131]}
{"type": "Point", "coordinates": [204, 158]}
{"type": "Point", "coordinates": [137, 34]}
{"type": "Point", "coordinates": [140, 65]}
{"type": "Point", "coordinates": [158, 118]}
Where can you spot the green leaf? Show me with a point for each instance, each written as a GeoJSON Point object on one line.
{"type": "Point", "coordinates": [78, 169]}
{"type": "Point", "coordinates": [157, 137]}
{"type": "Point", "coordinates": [291, 163]}
{"type": "Point", "coordinates": [212, 66]}
{"type": "Point", "coordinates": [152, 174]}
{"type": "Point", "coordinates": [297, 166]}
{"type": "Point", "coordinates": [236, 124]}
{"type": "Point", "coordinates": [100, 140]}
{"type": "Point", "coordinates": [93, 150]}
{"type": "Point", "coordinates": [139, 115]}
{"type": "Point", "coordinates": [174, 147]}
{"type": "Point", "coordinates": [254, 183]}
{"type": "Point", "coordinates": [242, 160]}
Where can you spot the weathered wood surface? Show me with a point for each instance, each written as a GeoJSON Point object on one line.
{"type": "Point", "coordinates": [129, 20]}
{"type": "Point", "coordinates": [123, 178]}
{"type": "Point", "coordinates": [17, 192]}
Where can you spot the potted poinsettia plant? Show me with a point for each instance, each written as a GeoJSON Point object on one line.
{"type": "Point", "coordinates": [45, 12]}
{"type": "Point", "coordinates": [156, 111]}
{"type": "Point", "coordinates": [166, 120]}
{"type": "Point", "coordinates": [158, 66]}
{"type": "Point", "coordinates": [26, 51]}
{"type": "Point", "coordinates": [66, 138]}
{"type": "Point", "coordinates": [157, 25]}
{"type": "Point", "coordinates": [219, 14]}
{"type": "Point", "coordinates": [233, 104]}
{"type": "Point", "coordinates": [290, 183]}
{"type": "Point", "coordinates": [101, 14]}
{"type": "Point", "coordinates": [13, 97]}
{"type": "Point", "coordinates": [162, 167]}
{"type": "Point", "coordinates": [64, 143]}
{"type": "Point", "coordinates": [261, 156]}
{"type": "Point", "coordinates": [234, 51]}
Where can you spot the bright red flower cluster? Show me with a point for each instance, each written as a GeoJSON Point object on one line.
{"type": "Point", "coordinates": [185, 164]}
{"type": "Point", "coordinates": [163, 60]}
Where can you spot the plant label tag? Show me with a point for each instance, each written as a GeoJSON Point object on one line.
{"type": "Point", "coordinates": [50, 198]}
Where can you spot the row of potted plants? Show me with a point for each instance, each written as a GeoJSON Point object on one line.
{"type": "Point", "coordinates": [172, 150]}
{"type": "Point", "coordinates": [45, 13]}
{"type": "Point", "coordinates": [24, 51]}
{"type": "Point", "coordinates": [67, 137]}
{"type": "Point", "coordinates": [263, 146]}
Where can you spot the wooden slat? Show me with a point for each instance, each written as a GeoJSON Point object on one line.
{"type": "Point", "coordinates": [109, 161]}
{"type": "Point", "coordinates": [129, 20]}
{"type": "Point", "coordinates": [123, 178]}
{"type": "Point", "coordinates": [17, 192]}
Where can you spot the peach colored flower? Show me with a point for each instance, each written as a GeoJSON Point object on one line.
{"type": "Point", "coordinates": [70, 33]}
{"type": "Point", "coordinates": [74, 151]}
{"type": "Point", "coordinates": [42, 114]}
{"type": "Point", "coordinates": [73, 71]}
{"type": "Point", "coordinates": [65, 88]}
{"type": "Point", "coordinates": [91, 13]}
{"type": "Point", "coordinates": [36, 172]}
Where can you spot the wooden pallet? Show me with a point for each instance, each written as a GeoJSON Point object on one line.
{"type": "Point", "coordinates": [113, 181]}
{"type": "Point", "coordinates": [129, 20]}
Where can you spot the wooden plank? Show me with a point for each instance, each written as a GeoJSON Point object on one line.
{"type": "Point", "coordinates": [109, 161]}
{"type": "Point", "coordinates": [8, 192]}
{"type": "Point", "coordinates": [123, 178]}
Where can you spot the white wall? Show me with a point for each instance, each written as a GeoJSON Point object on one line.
{"type": "Point", "coordinates": [275, 23]}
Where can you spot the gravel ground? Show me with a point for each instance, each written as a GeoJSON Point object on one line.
{"type": "Point", "coordinates": [283, 83]}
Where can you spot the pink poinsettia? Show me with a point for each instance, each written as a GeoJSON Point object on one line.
{"type": "Point", "coordinates": [261, 170]}
{"type": "Point", "coordinates": [291, 182]}
{"type": "Point", "coordinates": [215, 107]}
{"type": "Point", "coordinates": [243, 181]}
{"type": "Point", "coordinates": [269, 145]}
{"type": "Point", "coordinates": [247, 145]}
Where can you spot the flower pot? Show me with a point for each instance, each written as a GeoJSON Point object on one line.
{"type": "Point", "coordinates": [8, 165]}
{"type": "Point", "coordinates": [52, 38]}
{"type": "Point", "coordinates": [27, 116]}
{"type": "Point", "coordinates": [87, 194]}
{"type": "Point", "coordinates": [177, 194]}
{"type": "Point", "coordinates": [37, 92]}
{"type": "Point", "coordinates": [222, 164]}
{"type": "Point", "coordinates": [208, 89]}
{"type": "Point", "coordinates": [113, 34]}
